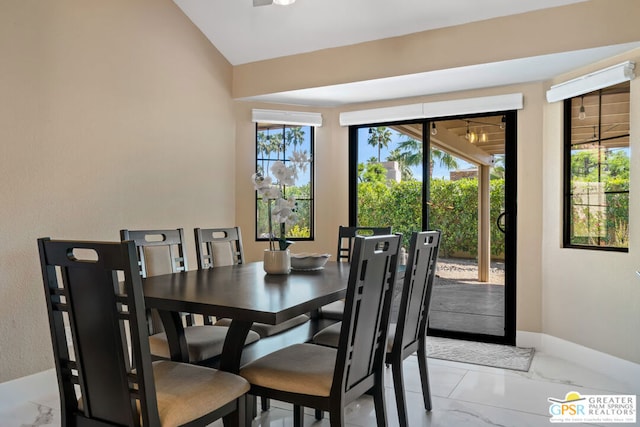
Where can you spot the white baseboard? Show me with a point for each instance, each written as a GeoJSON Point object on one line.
{"type": "Point", "coordinates": [616, 368]}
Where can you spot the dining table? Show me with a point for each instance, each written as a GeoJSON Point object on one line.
{"type": "Point", "coordinates": [243, 293]}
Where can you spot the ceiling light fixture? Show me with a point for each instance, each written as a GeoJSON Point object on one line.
{"type": "Point", "coordinates": [484, 137]}
{"type": "Point", "coordinates": [582, 114]}
{"type": "Point", "coordinates": [284, 2]}
{"type": "Point", "coordinates": [472, 137]}
{"type": "Point", "coordinates": [434, 129]}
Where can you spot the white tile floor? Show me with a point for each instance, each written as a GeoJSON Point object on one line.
{"type": "Point", "coordinates": [463, 395]}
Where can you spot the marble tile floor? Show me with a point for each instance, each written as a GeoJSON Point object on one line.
{"type": "Point", "coordinates": [463, 395]}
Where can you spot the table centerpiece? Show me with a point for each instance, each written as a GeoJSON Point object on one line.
{"type": "Point", "coordinates": [281, 209]}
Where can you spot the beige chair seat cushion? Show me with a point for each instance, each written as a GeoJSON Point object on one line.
{"type": "Point", "coordinates": [330, 336]}
{"type": "Point", "coordinates": [300, 368]}
{"type": "Point", "coordinates": [333, 310]}
{"type": "Point", "coordinates": [187, 392]}
{"type": "Point", "coordinates": [265, 330]}
{"type": "Point", "coordinates": [203, 342]}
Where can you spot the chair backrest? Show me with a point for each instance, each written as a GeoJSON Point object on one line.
{"type": "Point", "coordinates": [347, 234]}
{"type": "Point", "coordinates": [218, 246]}
{"type": "Point", "coordinates": [416, 290]}
{"type": "Point", "coordinates": [362, 344]}
{"type": "Point", "coordinates": [159, 251]}
{"type": "Point", "coordinates": [94, 300]}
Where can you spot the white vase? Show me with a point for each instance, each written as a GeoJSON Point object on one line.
{"type": "Point", "coordinates": [277, 262]}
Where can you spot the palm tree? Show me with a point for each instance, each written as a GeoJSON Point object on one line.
{"type": "Point", "coordinates": [379, 137]}
{"type": "Point", "coordinates": [411, 152]}
{"type": "Point", "coordinates": [446, 159]}
{"type": "Point", "coordinates": [275, 143]}
{"type": "Point", "coordinates": [263, 147]}
{"type": "Point", "coordinates": [294, 136]}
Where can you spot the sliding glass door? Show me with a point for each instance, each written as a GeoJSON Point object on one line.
{"type": "Point", "coordinates": [455, 174]}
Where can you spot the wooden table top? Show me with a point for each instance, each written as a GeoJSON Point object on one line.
{"type": "Point", "coordinates": [245, 292]}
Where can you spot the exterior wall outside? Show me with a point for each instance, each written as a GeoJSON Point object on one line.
{"type": "Point", "coordinates": [115, 115]}
{"type": "Point", "coordinates": [393, 171]}
{"type": "Point", "coordinates": [460, 174]}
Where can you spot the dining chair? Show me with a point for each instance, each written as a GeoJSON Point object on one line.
{"type": "Point", "coordinates": [223, 246]}
{"type": "Point", "coordinates": [328, 379]}
{"type": "Point", "coordinates": [409, 333]}
{"type": "Point", "coordinates": [98, 330]}
{"type": "Point", "coordinates": [159, 252]}
{"type": "Point", "coordinates": [218, 246]}
{"type": "Point", "coordinates": [346, 235]}
{"type": "Point", "coordinates": [162, 252]}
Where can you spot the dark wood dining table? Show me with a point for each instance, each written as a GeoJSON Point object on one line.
{"type": "Point", "coordinates": [244, 293]}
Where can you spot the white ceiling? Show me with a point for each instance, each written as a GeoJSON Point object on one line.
{"type": "Point", "coordinates": [243, 34]}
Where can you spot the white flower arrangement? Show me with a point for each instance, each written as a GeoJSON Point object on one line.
{"type": "Point", "coordinates": [273, 190]}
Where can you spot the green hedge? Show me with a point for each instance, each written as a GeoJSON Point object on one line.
{"type": "Point", "coordinates": [453, 209]}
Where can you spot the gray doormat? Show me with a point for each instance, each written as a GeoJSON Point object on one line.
{"type": "Point", "coordinates": [478, 353]}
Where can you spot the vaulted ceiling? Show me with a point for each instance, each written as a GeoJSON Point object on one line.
{"type": "Point", "coordinates": [245, 34]}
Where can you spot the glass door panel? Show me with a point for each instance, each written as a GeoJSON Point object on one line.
{"type": "Point", "coordinates": [390, 178]}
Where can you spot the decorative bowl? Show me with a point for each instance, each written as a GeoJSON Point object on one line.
{"type": "Point", "coordinates": [308, 261]}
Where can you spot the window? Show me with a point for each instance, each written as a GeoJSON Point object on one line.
{"type": "Point", "coordinates": [596, 170]}
{"type": "Point", "coordinates": [287, 144]}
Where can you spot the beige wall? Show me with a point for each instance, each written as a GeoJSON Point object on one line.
{"type": "Point", "coordinates": [582, 25]}
{"type": "Point", "coordinates": [110, 106]}
{"type": "Point", "coordinates": [114, 114]}
{"type": "Point", "coordinates": [332, 187]}
{"type": "Point", "coordinates": [331, 160]}
{"type": "Point", "coordinates": [590, 297]}
{"type": "Point", "coordinates": [587, 297]}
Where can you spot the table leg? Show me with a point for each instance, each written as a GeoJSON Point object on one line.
{"type": "Point", "coordinates": [233, 345]}
{"type": "Point", "coordinates": [172, 322]}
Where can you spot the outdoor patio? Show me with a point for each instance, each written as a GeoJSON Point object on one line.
{"type": "Point", "coordinates": [461, 303]}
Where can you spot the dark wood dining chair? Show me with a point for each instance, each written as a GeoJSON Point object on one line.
{"type": "Point", "coordinates": [159, 252]}
{"type": "Point", "coordinates": [162, 252]}
{"type": "Point", "coordinates": [409, 333]}
{"type": "Point", "coordinates": [218, 246]}
{"type": "Point", "coordinates": [223, 246]}
{"type": "Point", "coordinates": [98, 330]}
{"type": "Point", "coordinates": [345, 248]}
{"type": "Point", "coordinates": [328, 379]}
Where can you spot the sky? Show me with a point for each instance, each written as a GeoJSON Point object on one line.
{"type": "Point", "coordinates": [366, 151]}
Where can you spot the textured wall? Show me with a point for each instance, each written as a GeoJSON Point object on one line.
{"type": "Point", "coordinates": [114, 114]}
